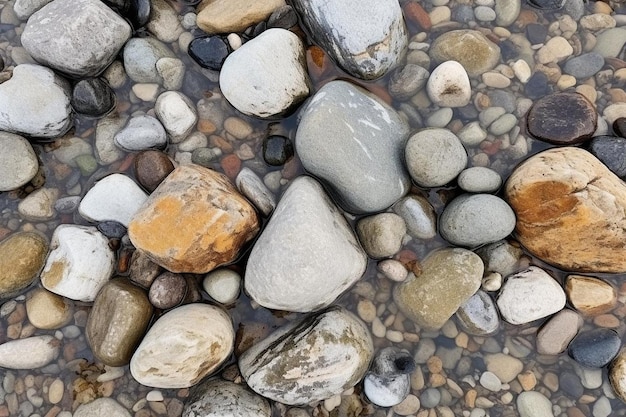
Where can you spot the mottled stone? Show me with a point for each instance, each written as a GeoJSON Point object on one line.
{"type": "Point", "coordinates": [470, 48]}
{"type": "Point", "coordinates": [381, 235]}
{"type": "Point", "coordinates": [478, 315]}
{"type": "Point", "coordinates": [22, 255]}
{"type": "Point", "coordinates": [611, 151]}
{"type": "Point", "coordinates": [217, 221]}
{"type": "Point", "coordinates": [590, 296]}
{"type": "Point", "coordinates": [167, 290]}
{"type": "Point", "coordinates": [617, 375]}
{"type": "Point", "coordinates": [151, 168]}
{"type": "Point", "coordinates": [219, 398]}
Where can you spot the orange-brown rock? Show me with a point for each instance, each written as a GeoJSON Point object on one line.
{"type": "Point", "coordinates": [590, 296]}
{"type": "Point", "coordinates": [571, 210]}
{"type": "Point", "coordinates": [194, 221]}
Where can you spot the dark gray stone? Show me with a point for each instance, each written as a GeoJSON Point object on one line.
{"type": "Point", "coordinates": [584, 66]}
{"type": "Point", "coordinates": [93, 97]}
{"type": "Point", "coordinates": [611, 150]}
{"type": "Point", "coordinates": [595, 348]}
{"type": "Point", "coordinates": [209, 51]}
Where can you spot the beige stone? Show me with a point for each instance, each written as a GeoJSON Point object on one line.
{"type": "Point", "coordinates": [47, 310]}
{"type": "Point", "coordinates": [194, 221]}
{"type": "Point", "coordinates": [571, 210]}
{"type": "Point", "coordinates": [22, 256]}
{"type": "Point", "coordinates": [224, 16]}
{"type": "Point", "coordinates": [591, 296]}
{"type": "Point", "coordinates": [470, 48]}
{"type": "Point", "coordinates": [558, 331]}
{"type": "Point", "coordinates": [617, 375]}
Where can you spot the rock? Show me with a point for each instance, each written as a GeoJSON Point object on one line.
{"type": "Point", "coordinates": [340, 120]}
{"type": "Point", "coordinates": [251, 186]}
{"type": "Point", "coordinates": [479, 180]}
{"type": "Point", "coordinates": [30, 115]}
{"type": "Point", "coordinates": [93, 97]}
{"type": "Point", "coordinates": [571, 385]}
{"type": "Point", "coordinates": [610, 42]}
{"type": "Point", "coordinates": [106, 152]}
{"type": "Point", "coordinates": [434, 157]}
{"type": "Point", "coordinates": [595, 348]}
{"type": "Point", "coordinates": [556, 49]}
{"type": "Point", "coordinates": [530, 295]}
{"type": "Point", "coordinates": [537, 86]}
{"type": "Point", "coordinates": [564, 199]}
{"type": "Point", "coordinates": [209, 51]}
{"type": "Point", "coordinates": [41, 351]}
{"type": "Point", "coordinates": [141, 56]}
{"type": "Point", "coordinates": [505, 367]}
{"type": "Point", "coordinates": [556, 334]}
{"type": "Point", "coordinates": [475, 219]}
{"type": "Point", "coordinates": [478, 315]}
{"type": "Point", "coordinates": [167, 290]}
{"type": "Point", "coordinates": [507, 12]}
{"type": "Point", "coordinates": [283, 17]}
{"type": "Point", "coordinates": [326, 263]}
{"type": "Point", "coordinates": [562, 119]}
{"type": "Point", "coordinates": [366, 38]}
{"type": "Point", "coordinates": [142, 270]}
{"type": "Point", "coordinates": [490, 381]}
{"type": "Point", "coordinates": [25, 8]}
{"type": "Point", "coordinates": [418, 215]}
{"type": "Point", "coordinates": [117, 322]}
{"type": "Point", "coordinates": [217, 398]}
{"type": "Point", "coordinates": [39, 205]}
{"type": "Point", "coordinates": [388, 382]}
{"type": "Point", "coordinates": [449, 85]}
{"type": "Point", "coordinates": [267, 76]}
{"type": "Point", "coordinates": [46, 310]}
{"type": "Point", "coordinates": [381, 235]}
{"type": "Point", "coordinates": [610, 150]}
{"type": "Point", "coordinates": [223, 285]}
{"type": "Point", "coordinates": [407, 81]}
{"type": "Point", "coordinates": [590, 296]}
{"type": "Point", "coordinates": [183, 346]}
{"type": "Point", "coordinates": [115, 197]}
{"type": "Point", "coordinates": [151, 168]}
{"type": "Point", "coordinates": [533, 403]}
{"type": "Point", "coordinates": [314, 359]}
{"type": "Point", "coordinates": [501, 257]}
{"type": "Point", "coordinates": [18, 162]}
{"type": "Point", "coordinates": [449, 278]}
{"type": "Point", "coordinates": [172, 71]}
{"type": "Point", "coordinates": [163, 22]}
{"type": "Point", "coordinates": [585, 65]}
{"type": "Point", "coordinates": [224, 16]}
{"type": "Point", "coordinates": [22, 255]}
{"type": "Point", "coordinates": [141, 133]}
{"type": "Point", "coordinates": [218, 221]}
{"type": "Point", "coordinates": [80, 262]}
{"type": "Point", "coordinates": [102, 406]}
{"type": "Point", "coordinates": [617, 375]}
{"type": "Point", "coordinates": [470, 48]}
{"type": "Point", "coordinates": [177, 114]}
{"type": "Point", "coordinates": [77, 37]}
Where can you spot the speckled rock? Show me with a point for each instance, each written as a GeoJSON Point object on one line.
{"type": "Point", "coordinates": [313, 359]}
{"type": "Point", "coordinates": [617, 375]}
{"type": "Point", "coordinates": [177, 114]}
{"type": "Point", "coordinates": [610, 150]}
{"type": "Point", "coordinates": [470, 48]}
{"type": "Point", "coordinates": [595, 348]}
{"type": "Point", "coordinates": [479, 180]}
{"type": "Point", "coordinates": [218, 398]}
{"type": "Point", "coordinates": [534, 404]}
{"type": "Point", "coordinates": [449, 85]}
{"type": "Point", "coordinates": [100, 407]}
{"type": "Point", "coordinates": [381, 235]}
{"type": "Point", "coordinates": [22, 255]}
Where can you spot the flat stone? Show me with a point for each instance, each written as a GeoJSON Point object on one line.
{"type": "Point", "coordinates": [41, 351]}
{"type": "Point", "coordinates": [470, 48]}
{"type": "Point", "coordinates": [381, 234]}
{"type": "Point", "coordinates": [225, 16]}
{"type": "Point", "coordinates": [449, 85]}
{"type": "Point", "coordinates": [556, 334]}
{"type": "Point", "coordinates": [408, 80]}
{"type": "Point", "coordinates": [479, 180]}
{"type": "Point", "coordinates": [38, 206]}
{"type": "Point", "coordinates": [590, 296]}
{"type": "Point", "coordinates": [251, 186]}
{"type": "Point", "coordinates": [610, 42]}
{"type": "Point", "coordinates": [449, 278]}
{"type": "Point", "coordinates": [313, 359]}
{"type": "Point", "coordinates": [478, 315]}
{"type": "Point", "coordinates": [216, 398]}
{"type": "Point", "coordinates": [22, 255]}
{"type": "Point", "coordinates": [46, 310]}
{"type": "Point", "coordinates": [569, 209]}
{"type": "Point", "coordinates": [218, 221]}
{"type": "Point", "coordinates": [507, 12]}
{"type": "Point", "coordinates": [610, 150]}
{"type": "Point", "coordinates": [77, 37]}
{"type": "Point", "coordinates": [365, 37]}
{"type": "Point", "coordinates": [556, 49]}
{"type": "Point", "coordinates": [141, 133]}
{"type": "Point", "coordinates": [209, 51]}
{"type": "Point", "coordinates": [340, 120]}
{"type": "Point", "coordinates": [117, 322]}
{"type": "Point", "coordinates": [585, 65]}
{"type": "Point", "coordinates": [177, 114]}
{"type": "Point", "coordinates": [534, 404]}
{"type": "Point", "coordinates": [151, 168]}
{"type": "Point", "coordinates": [183, 346]}
{"type": "Point", "coordinates": [418, 215]}
{"type": "Point", "coordinates": [530, 295]}
{"type": "Point", "coordinates": [18, 162]}
{"type": "Point", "coordinates": [595, 348]}
{"type": "Point", "coordinates": [505, 367]}
{"type": "Point", "coordinates": [328, 262]}
{"type": "Point", "coordinates": [102, 406]}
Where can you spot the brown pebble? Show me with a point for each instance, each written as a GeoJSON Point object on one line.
{"type": "Point", "coordinates": [151, 168]}
{"type": "Point", "coordinates": [434, 364]}
{"type": "Point", "coordinates": [167, 290]}
{"type": "Point", "coordinates": [607, 321]}
{"type": "Point", "coordinates": [142, 270]}
{"type": "Point", "coordinates": [415, 13]}
{"type": "Point", "coordinates": [437, 380]}
{"type": "Point", "coordinates": [574, 412]}
{"type": "Point", "coordinates": [617, 95]}
{"type": "Point", "coordinates": [51, 413]}
{"type": "Point", "coordinates": [551, 381]}
{"type": "Point", "coordinates": [14, 330]}
{"type": "Point", "coordinates": [18, 315]}
{"type": "Point", "coordinates": [470, 398]}
{"type": "Point", "coordinates": [231, 164]}
{"type": "Point", "coordinates": [220, 142]}
{"type": "Point", "coordinates": [527, 380]}
{"type": "Point", "coordinates": [206, 126]}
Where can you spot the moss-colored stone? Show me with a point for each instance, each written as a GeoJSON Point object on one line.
{"type": "Point", "coordinates": [22, 256]}
{"type": "Point", "coordinates": [470, 48]}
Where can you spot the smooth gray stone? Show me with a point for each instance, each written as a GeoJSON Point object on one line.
{"type": "Point", "coordinates": [478, 315]}
{"type": "Point", "coordinates": [584, 66]}
{"type": "Point", "coordinates": [141, 56]}
{"type": "Point", "coordinates": [141, 133]}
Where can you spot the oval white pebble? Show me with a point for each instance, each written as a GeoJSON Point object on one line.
{"type": "Point", "coordinates": [222, 285]}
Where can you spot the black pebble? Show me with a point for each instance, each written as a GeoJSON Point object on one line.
{"type": "Point", "coordinates": [571, 385]}
{"type": "Point", "coordinates": [405, 364]}
{"type": "Point", "coordinates": [595, 348]}
{"type": "Point", "coordinates": [537, 86]}
{"type": "Point", "coordinates": [209, 51]}
{"type": "Point", "coordinates": [536, 33]}
{"type": "Point", "coordinates": [138, 12]}
{"type": "Point", "coordinates": [508, 50]}
{"type": "Point", "coordinates": [619, 126]}
{"type": "Point", "coordinates": [93, 97]}
{"type": "Point", "coordinates": [1, 64]}
{"type": "Point", "coordinates": [277, 150]}
{"type": "Point", "coordinates": [284, 17]}
{"type": "Point", "coordinates": [611, 151]}
{"type": "Point", "coordinates": [112, 229]}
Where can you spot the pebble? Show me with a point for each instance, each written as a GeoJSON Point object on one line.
{"type": "Point", "coordinates": [478, 315]}
{"type": "Point", "coordinates": [534, 404]}
{"type": "Point", "coordinates": [46, 310]}
{"type": "Point", "coordinates": [177, 114]}
{"type": "Point", "coordinates": [409, 406]}
{"type": "Point", "coordinates": [484, 14]}
{"type": "Point", "coordinates": [609, 150]}
{"type": "Point", "coordinates": [430, 398]}
{"type": "Point", "coordinates": [223, 285]}
{"type": "Point", "coordinates": [41, 351]}
{"type": "Point", "coordinates": [470, 48]}
{"type": "Point", "coordinates": [584, 66]}
{"type": "Point", "coordinates": [472, 134]}
{"type": "Point", "coordinates": [141, 133]}
{"type": "Point", "coordinates": [277, 150]}
{"type": "Point", "coordinates": [253, 188]}
{"type": "Point", "coordinates": [440, 118]}
{"type": "Point", "coordinates": [160, 17]}
{"type": "Point", "coordinates": [225, 16]}
{"type": "Point", "coordinates": [151, 168]}
{"type": "Point", "coordinates": [216, 397]}
{"type": "Point", "coordinates": [141, 56]}
{"type": "Point", "coordinates": [449, 85]}
{"type": "Point", "coordinates": [504, 366]}
{"type": "Point", "coordinates": [209, 51]}
{"type": "Point", "coordinates": [590, 296]}
{"type": "Point", "coordinates": [490, 381]}
{"type": "Point", "coordinates": [507, 12]}
{"type": "Point", "coordinates": [556, 49]}
{"type": "Point", "coordinates": [595, 348]}
{"type": "Point", "coordinates": [408, 80]}
{"type": "Point", "coordinates": [479, 180]}
{"type": "Point", "coordinates": [571, 385]}
{"type": "Point", "coordinates": [92, 97]}
{"type": "Point", "coordinates": [172, 71]}
{"type": "Point", "coordinates": [537, 86]}
{"type": "Point", "coordinates": [556, 334]}
{"type": "Point", "coordinates": [418, 215]}
{"type": "Point", "coordinates": [101, 407]}
{"type": "Point", "coordinates": [388, 381]}
{"type": "Point", "coordinates": [56, 391]}
{"type": "Point", "coordinates": [167, 290]}
{"type": "Point", "coordinates": [381, 235]}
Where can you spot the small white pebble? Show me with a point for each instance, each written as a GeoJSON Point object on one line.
{"type": "Point", "coordinates": [378, 328]}
{"type": "Point", "coordinates": [331, 403]}
{"type": "Point", "coordinates": [394, 336]}
{"type": "Point", "coordinates": [234, 41]}
{"type": "Point", "coordinates": [366, 310]}
{"type": "Point", "coordinates": [392, 269]}
{"type": "Point", "coordinates": [154, 395]}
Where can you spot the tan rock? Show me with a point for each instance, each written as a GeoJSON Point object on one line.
{"type": "Point", "coordinates": [193, 222]}
{"type": "Point", "coordinates": [22, 256]}
{"type": "Point", "coordinates": [591, 296]}
{"type": "Point", "coordinates": [47, 310]}
{"type": "Point", "coordinates": [571, 210]}
{"type": "Point", "coordinates": [224, 16]}
{"type": "Point", "coordinates": [617, 375]}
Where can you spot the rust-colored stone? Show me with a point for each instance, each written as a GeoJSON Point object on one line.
{"type": "Point", "coordinates": [590, 296]}
{"type": "Point", "coordinates": [414, 12]}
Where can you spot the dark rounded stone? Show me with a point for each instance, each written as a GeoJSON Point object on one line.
{"type": "Point", "coordinates": [537, 86]}
{"type": "Point", "coordinates": [195, 84]}
{"type": "Point", "coordinates": [277, 150]}
{"type": "Point", "coordinates": [284, 17]}
{"type": "Point", "coordinates": [1, 63]}
{"type": "Point", "coordinates": [547, 4]}
{"type": "Point", "coordinates": [536, 33]}
{"type": "Point", "coordinates": [168, 290]}
{"type": "Point", "coordinates": [619, 126]}
{"type": "Point", "coordinates": [595, 348]}
{"type": "Point", "coordinates": [93, 97]}
{"type": "Point", "coordinates": [209, 51]}
{"type": "Point", "coordinates": [138, 12]}
{"type": "Point", "coordinates": [584, 66]}
{"type": "Point", "coordinates": [258, 29]}
{"type": "Point", "coordinates": [611, 150]}
{"type": "Point", "coordinates": [562, 119]}
{"type": "Point", "coordinates": [463, 14]}
{"type": "Point", "coordinates": [508, 50]}
{"type": "Point", "coordinates": [112, 229]}
{"type": "Point", "coordinates": [151, 168]}
{"type": "Point", "coordinates": [571, 385]}
{"type": "Point", "coordinates": [503, 98]}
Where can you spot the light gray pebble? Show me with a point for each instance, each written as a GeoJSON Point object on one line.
{"type": "Point", "coordinates": [490, 115]}
{"type": "Point", "coordinates": [430, 398]}
{"type": "Point", "coordinates": [440, 118]}
{"type": "Point", "coordinates": [141, 133]}
{"type": "Point", "coordinates": [407, 81]}
{"type": "Point", "coordinates": [503, 124]}
{"type": "Point", "coordinates": [490, 381]}
{"type": "Point", "coordinates": [472, 134]}
{"type": "Point", "coordinates": [250, 185]}
{"type": "Point", "coordinates": [66, 205]}
{"type": "Point", "coordinates": [425, 349]}
{"type": "Point", "coordinates": [485, 14]}
{"type": "Point", "coordinates": [602, 407]}
{"type": "Point", "coordinates": [502, 98]}
{"type": "Point", "coordinates": [479, 180]}
{"type": "Point", "coordinates": [419, 216]}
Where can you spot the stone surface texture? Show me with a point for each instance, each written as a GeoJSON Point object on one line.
{"type": "Point", "coordinates": [217, 398]}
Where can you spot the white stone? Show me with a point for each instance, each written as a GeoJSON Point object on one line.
{"type": "Point", "coordinates": [141, 56]}
{"type": "Point", "coordinates": [25, 8]}
{"type": "Point", "coordinates": [164, 23]}
{"type": "Point", "coordinates": [101, 407]}
{"type": "Point", "coordinates": [18, 162]}
{"type": "Point", "coordinates": [449, 85]}
{"type": "Point", "coordinates": [115, 197]}
{"type": "Point", "coordinates": [177, 114]}
{"type": "Point", "coordinates": [472, 134]}
{"type": "Point", "coordinates": [555, 50]}
{"type": "Point", "coordinates": [38, 206]}
{"type": "Point", "coordinates": [419, 216]}
{"type": "Point", "coordinates": [216, 397]}
{"type": "Point", "coordinates": [288, 272]}
{"type": "Point", "coordinates": [534, 404]}
{"type": "Point", "coordinates": [522, 70]}
{"type": "Point", "coordinates": [80, 262]}
{"type": "Point", "coordinates": [29, 353]}
{"type": "Point", "coordinates": [479, 180]}
{"type": "Point", "coordinates": [43, 108]}
{"type": "Point", "coordinates": [490, 381]}
{"type": "Point", "coordinates": [141, 133]}
{"type": "Point", "coordinates": [613, 112]}
{"type": "Point", "coordinates": [223, 285]}
{"type": "Point", "coordinates": [251, 186]}
{"type": "Point", "coordinates": [267, 76]}
{"type": "Point", "coordinates": [183, 346]}
{"type": "Point", "coordinates": [530, 295]}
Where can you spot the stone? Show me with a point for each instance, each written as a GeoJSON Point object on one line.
{"type": "Point", "coordinates": [340, 120]}
{"type": "Point", "coordinates": [216, 398]}
{"type": "Point", "coordinates": [141, 133]}
{"type": "Point", "coordinates": [595, 348]}
{"type": "Point", "coordinates": [311, 360]}
{"type": "Point", "coordinates": [225, 16]}
{"type": "Point", "coordinates": [163, 20]}
{"type": "Point", "coordinates": [530, 295]}
{"type": "Point", "coordinates": [476, 219]}
{"type": "Point", "coordinates": [449, 85]}
{"type": "Point", "coordinates": [118, 320]}
{"type": "Point", "coordinates": [584, 66]}
{"type": "Point", "coordinates": [218, 221]}
{"type": "Point", "coordinates": [209, 51]}
{"type": "Point", "coordinates": [470, 48]}
{"type": "Point", "coordinates": [18, 162]}
{"type": "Point", "coordinates": [597, 21]}
{"type": "Point", "coordinates": [448, 279]}
{"type": "Point", "coordinates": [478, 316]}
{"type": "Point", "coordinates": [77, 37]}
{"type": "Point", "coordinates": [366, 38]}
{"type": "Point", "coordinates": [22, 255]}
{"type": "Point", "coordinates": [25, 8]}
{"type": "Point", "coordinates": [556, 49]}
{"type": "Point", "coordinates": [505, 367]}
{"type": "Point", "coordinates": [41, 351]}
{"type": "Point", "coordinates": [142, 270]}
{"type": "Point", "coordinates": [172, 71]}
{"type": "Point", "coordinates": [479, 180]}
{"type": "Point", "coordinates": [115, 197]}
{"type": "Point", "coordinates": [617, 375]}
{"type": "Point", "coordinates": [183, 346]}
{"type": "Point", "coordinates": [565, 198]}
{"type": "Point", "coordinates": [102, 406]}
{"type": "Point", "coordinates": [167, 290]}
{"type": "Point", "coordinates": [484, 14]}
{"type": "Point", "coordinates": [507, 12]}
{"type": "Point", "coordinates": [534, 404]}
{"type": "Point", "coordinates": [46, 310]}
{"type": "Point", "coordinates": [430, 398]}
{"type": "Point", "coordinates": [562, 119]}
{"type": "Point", "coordinates": [381, 234]}
{"type": "Point", "coordinates": [388, 381]}
{"type": "Point", "coordinates": [251, 186]}
{"type": "Point", "coordinates": [106, 152]}
{"type": "Point", "coordinates": [570, 383]}
{"type": "Point", "coordinates": [326, 263]}
{"type": "Point", "coordinates": [556, 334]}
{"type": "Point", "coordinates": [610, 150]}
{"type": "Point", "coordinates": [30, 115]}
{"type": "Point", "coordinates": [80, 262]}
{"type": "Point", "coordinates": [267, 76]}
{"type": "Point", "coordinates": [92, 97]}
{"type": "Point", "coordinates": [38, 206]}
{"type": "Point", "coordinates": [418, 215]}
{"type": "Point", "coordinates": [407, 81]}
{"type": "Point", "coordinates": [223, 285]}
{"type": "Point", "coordinates": [610, 42]}
{"type": "Point", "coordinates": [140, 59]}
{"type": "Point", "coordinates": [151, 168]}
{"type": "Point", "coordinates": [590, 296]}
{"type": "Point", "coordinates": [177, 114]}
{"type": "Point", "coordinates": [277, 150]}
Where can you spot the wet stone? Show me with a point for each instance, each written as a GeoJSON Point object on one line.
{"type": "Point", "coordinates": [18, 161]}
{"type": "Point", "coordinates": [167, 290]}
{"type": "Point", "coordinates": [611, 151]}
{"type": "Point", "coordinates": [562, 119]}
{"type": "Point", "coordinates": [93, 97]}
{"type": "Point", "coordinates": [595, 348]}
{"type": "Point", "coordinates": [112, 229]}
{"type": "Point", "coordinates": [46, 310]}
{"type": "Point", "coordinates": [102, 407]}
{"type": "Point", "coordinates": [534, 404]}
{"type": "Point", "coordinates": [142, 132]}
{"type": "Point", "coordinates": [381, 235]}
{"type": "Point", "coordinates": [406, 81]}
{"type": "Point", "coordinates": [283, 17]}
{"type": "Point", "coordinates": [217, 398]}
{"type": "Point", "coordinates": [570, 383]}
{"type": "Point", "coordinates": [478, 315]}
{"type": "Point", "coordinates": [537, 86]}
{"type": "Point", "coordinates": [556, 334]}
{"type": "Point", "coordinates": [388, 381]}
{"type": "Point", "coordinates": [209, 51]}
{"type": "Point", "coordinates": [619, 126]}
{"type": "Point", "coordinates": [590, 296]}
{"type": "Point", "coordinates": [536, 33]}
{"type": "Point", "coordinates": [277, 150]}
{"type": "Point", "coordinates": [151, 168]}
{"type": "Point", "coordinates": [470, 48]}
{"type": "Point", "coordinates": [584, 66]}
{"type": "Point", "coordinates": [418, 215]}
{"type": "Point", "coordinates": [22, 256]}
